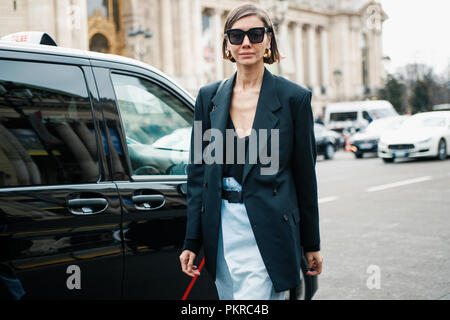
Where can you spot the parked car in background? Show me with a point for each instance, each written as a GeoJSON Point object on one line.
{"type": "Point", "coordinates": [93, 158]}
{"type": "Point", "coordinates": [327, 141]}
{"type": "Point", "coordinates": [366, 141]}
{"type": "Point", "coordinates": [441, 107]}
{"type": "Point", "coordinates": [422, 135]}
{"type": "Point", "coordinates": [356, 115]}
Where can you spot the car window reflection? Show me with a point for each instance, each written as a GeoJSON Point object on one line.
{"type": "Point", "coordinates": [157, 127]}
{"type": "Point", "coordinates": [47, 130]}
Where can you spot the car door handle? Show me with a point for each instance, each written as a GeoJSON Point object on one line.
{"type": "Point", "coordinates": [87, 206]}
{"type": "Point", "coordinates": [148, 202]}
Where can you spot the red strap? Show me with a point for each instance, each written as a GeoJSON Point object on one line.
{"type": "Point", "coordinates": [193, 281]}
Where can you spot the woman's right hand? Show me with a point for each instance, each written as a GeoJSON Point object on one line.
{"type": "Point", "coordinates": [187, 258]}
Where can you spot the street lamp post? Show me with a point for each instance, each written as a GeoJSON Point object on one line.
{"type": "Point", "coordinates": [386, 63]}
{"type": "Point", "coordinates": [337, 76]}
{"type": "Point", "coordinates": [140, 36]}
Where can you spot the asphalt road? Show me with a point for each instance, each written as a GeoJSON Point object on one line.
{"type": "Point", "coordinates": [385, 228]}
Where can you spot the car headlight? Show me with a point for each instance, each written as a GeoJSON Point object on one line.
{"type": "Point", "coordinates": [424, 141]}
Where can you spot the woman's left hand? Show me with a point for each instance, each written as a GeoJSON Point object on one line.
{"type": "Point", "coordinates": [314, 262]}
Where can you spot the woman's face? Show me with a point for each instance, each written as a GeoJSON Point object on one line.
{"type": "Point", "coordinates": [248, 53]}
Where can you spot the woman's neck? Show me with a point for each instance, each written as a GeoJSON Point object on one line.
{"type": "Point", "coordinates": [249, 78]}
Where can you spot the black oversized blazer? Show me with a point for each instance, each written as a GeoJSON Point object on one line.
{"type": "Point", "coordinates": [282, 207]}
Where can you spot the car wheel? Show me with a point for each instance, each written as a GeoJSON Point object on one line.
{"type": "Point", "coordinates": [329, 151]}
{"type": "Point", "coordinates": [442, 150]}
{"type": "Point", "coordinates": [388, 160]}
{"type": "Point", "coordinates": [359, 155]}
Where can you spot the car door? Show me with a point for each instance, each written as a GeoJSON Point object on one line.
{"type": "Point", "coordinates": [156, 121]}
{"type": "Point", "coordinates": [59, 219]}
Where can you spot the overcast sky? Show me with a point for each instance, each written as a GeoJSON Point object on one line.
{"type": "Point", "coordinates": [417, 31]}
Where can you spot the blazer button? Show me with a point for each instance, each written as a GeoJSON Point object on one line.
{"type": "Point", "coordinates": [275, 191]}
{"type": "Point", "coordinates": [205, 184]}
{"type": "Point", "coordinates": [285, 217]}
{"type": "Point", "coordinates": [202, 210]}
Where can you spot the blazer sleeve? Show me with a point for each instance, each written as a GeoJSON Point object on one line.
{"type": "Point", "coordinates": [195, 171]}
{"type": "Point", "coordinates": [303, 166]}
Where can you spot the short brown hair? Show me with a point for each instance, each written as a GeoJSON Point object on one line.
{"type": "Point", "coordinates": [248, 9]}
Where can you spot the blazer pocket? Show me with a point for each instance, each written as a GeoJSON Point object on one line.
{"type": "Point", "coordinates": [295, 215]}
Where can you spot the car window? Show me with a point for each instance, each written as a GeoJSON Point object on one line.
{"type": "Point", "coordinates": [366, 116]}
{"type": "Point", "coordinates": [343, 116]}
{"type": "Point", "coordinates": [416, 122]}
{"type": "Point", "coordinates": [157, 126]}
{"type": "Point", "coordinates": [46, 125]}
{"type": "Point", "coordinates": [382, 113]}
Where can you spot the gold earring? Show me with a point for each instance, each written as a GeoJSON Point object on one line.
{"type": "Point", "coordinates": [228, 54]}
{"type": "Point", "coordinates": [267, 53]}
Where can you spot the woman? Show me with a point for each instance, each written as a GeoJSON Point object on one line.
{"type": "Point", "coordinates": [253, 225]}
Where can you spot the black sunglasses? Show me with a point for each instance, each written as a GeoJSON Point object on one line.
{"type": "Point", "coordinates": [255, 35]}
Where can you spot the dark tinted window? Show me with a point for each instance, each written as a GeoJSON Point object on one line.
{"type": "Point", "coordinates": [343, 116]}
{"type": "Point", "coordinates": [46, 125]}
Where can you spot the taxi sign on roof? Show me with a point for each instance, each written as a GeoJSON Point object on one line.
{"type": "Point", "coordinates": [31, 37]}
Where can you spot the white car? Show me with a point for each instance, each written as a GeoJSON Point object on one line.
{"type": "Point", "coordinates": [356, 115]}
{"type": "Point", "coordinates": [366, 141]}
{"type": "Point", "coordinates": [422, 135]}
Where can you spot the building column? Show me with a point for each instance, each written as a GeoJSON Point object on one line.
{"type": "Point", "coordinates": [379, 65]}
{"type": "Point", "coordinates": [63, 34]}
{"type": "Point", "coordinates": [167, 36]}
{"type": "Point", "coordinates": [218, 38]}
{"type": "Point", "coordinates": [312, 60]}
{"type": "Point", "coordinates": [197, 50]}
{"type": "Point", "coordinates": [324, 56]}
{"type": "Point", "coordinates": [298, 51]}
{"type": "Point", "coordinates": [186, 65]}
{"type": "Point", "coordinates": [372, 61]}
{"type": "Point", "coordinates": [287, 65]}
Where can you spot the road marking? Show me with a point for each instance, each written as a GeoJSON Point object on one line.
{"type": "Point", "coordinates": [398, 184]}
{"type": "Point", "coordinates": [327, 199]}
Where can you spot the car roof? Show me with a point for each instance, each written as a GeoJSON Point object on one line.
{"type": "Point", "coordinates": [85, 54]}
{"type": "Point", "coordinates": [62, 51]}
{"type": "Point", "coordinates": [433, 114]}
{"type": "Point", "coordinates": [390, 118]}
{"type": "Point", "coordinates": [357, 105]}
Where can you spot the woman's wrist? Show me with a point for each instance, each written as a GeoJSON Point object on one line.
{"type": "Point", "coordinates": [313, 248]}
{"type": "Point", "coordinates": [193, 245]}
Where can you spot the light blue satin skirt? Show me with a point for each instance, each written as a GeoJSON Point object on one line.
{"type": "Point", "coordinates": [240, 273]}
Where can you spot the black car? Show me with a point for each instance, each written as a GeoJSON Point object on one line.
{"type": "Point", "coordinates": [366, 141]}
{"type": "Point", "coordinates": [93, 179]}
{"type": "Point", "coordinates": [327, 141]}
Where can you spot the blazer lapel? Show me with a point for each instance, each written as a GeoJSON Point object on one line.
{"type": "Point", "coordinates": [264, 118]}
{"type": "Point", "coordinates": [221, 106]}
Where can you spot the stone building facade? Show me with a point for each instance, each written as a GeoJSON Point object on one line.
{"type": "Point", "coordinates": [333, 47]}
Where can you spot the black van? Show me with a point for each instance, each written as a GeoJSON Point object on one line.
{"type": "Point", "coordinates": [93, 155]}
